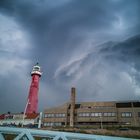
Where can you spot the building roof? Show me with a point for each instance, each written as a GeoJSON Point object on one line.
{"type": "Point", "coordinates": [2, 117]}
{"type": "Point", "coordinates": [31, 115]}
{"type": "Point", "coordinates": [63, 107]}
{"type": "Point", "coordinates": [81, 105]}
{"type": "Point", "coordinates": [27, 116]}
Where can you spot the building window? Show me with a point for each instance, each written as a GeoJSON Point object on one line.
{"type": "Point", "coordinates": [113, 114]}
{"type": "Point", "coordinates": [103, 107]}
{"type": "Point", "coordinates": [49, 115]}
{"type": "Point", "coordinates": [48, 124]}
{"type": "Point", "coordinates": [96, 114]}
{"type": "Point", "coordinates": [63, 115]}
{"type": "Point", "coordinates": [92, 114]}
{"type": "Point", "coordinates": [57, 124]}
{"type": "Point", "coordinates": [53, 124]}
{"type": "Point", "coordinates": [126, 114]}
{"type": "Point", "coordinates": [84, 114]}
{"type": "Point", "coordinates": [80, 114]}
{"type": "Point", "coordinates": [105, 114]}
{"type": "Point", "coordinates": [109, 114]}
{"type": "Point", "coordinates": [99, 114]}
{"type": "Point", "coordinates": [138, 114]}
{"type": "Point", "coordinates": [60, 115]}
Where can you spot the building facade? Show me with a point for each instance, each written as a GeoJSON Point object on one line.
{"type": "Point", "coordinates": [16, 119]}
{"type": "Point", "coordinates": [96, 114]}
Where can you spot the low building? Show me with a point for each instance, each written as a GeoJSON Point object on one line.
{"type": "Point", "coordinates": [16, 119]}
{"type": "Point", "coordinates": [96, 114]}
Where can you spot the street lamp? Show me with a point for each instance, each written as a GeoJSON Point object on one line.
{"type": "Point", "coordinates": [25, 112]}
{"type": "Point", "coordinates": [101, 121]}
{"type": "Point", "coordinates": [40, 120]}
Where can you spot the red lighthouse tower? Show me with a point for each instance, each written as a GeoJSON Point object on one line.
{"type": "Point", "coordinates": [32, 103]}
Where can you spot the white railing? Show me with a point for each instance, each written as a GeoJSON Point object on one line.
{"type": "Point", "coordinates": [32, 134]}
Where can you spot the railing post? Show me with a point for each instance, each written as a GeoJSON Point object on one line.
{"type": "Point", "coordinates": [60, 136]}
{"type": "Point", "coordinates": [1, 137]}
{"type": "Point", "coordinates": [24, 134]}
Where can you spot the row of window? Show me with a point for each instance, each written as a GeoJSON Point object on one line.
{"type": "Point", "coordinates": [53, 124]}
{"type": "Point", "coordinates": [126, 114]}
{"type": "Point", "coordinates": [106, 114]}
{"type": "Point", "coordinates": [100, 107]}
{"type": "Point", "coordinates": [93, 114]}
{"type": "Point", "coordinates": [97, 114]}
{"type": "Point", "coordinates": [58, 115]}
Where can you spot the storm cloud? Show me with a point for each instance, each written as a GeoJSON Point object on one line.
{"type": "Point", "coordinates": [92, 45]}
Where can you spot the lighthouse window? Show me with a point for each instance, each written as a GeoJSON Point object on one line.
{"type": "Point", "coordinates": [36, 68]}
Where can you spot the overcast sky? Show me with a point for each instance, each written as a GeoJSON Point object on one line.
{"type": "Point", "coordinates": [93, 45]}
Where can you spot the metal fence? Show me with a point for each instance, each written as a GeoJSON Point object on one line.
{"type": "Point", "coordinates": [9, 133]}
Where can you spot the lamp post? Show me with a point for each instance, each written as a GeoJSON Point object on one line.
{"type": "Point", "coordinates": [25, 112]}
{"type": "Point", "coordinates": [40, 120]}
{"type": "Point", "coordinates": [101, 121]}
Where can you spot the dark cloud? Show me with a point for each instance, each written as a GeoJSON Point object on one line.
{"type": "Point", "coordinates": [112, 65]}
{"type": "Point", "coordinates": [78, 43]}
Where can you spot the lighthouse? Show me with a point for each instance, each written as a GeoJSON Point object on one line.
{"type": "Point", "coordinates": [32, 102]}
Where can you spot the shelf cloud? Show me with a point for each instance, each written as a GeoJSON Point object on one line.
{"type": "Point", "coordinates": [92, 45]}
